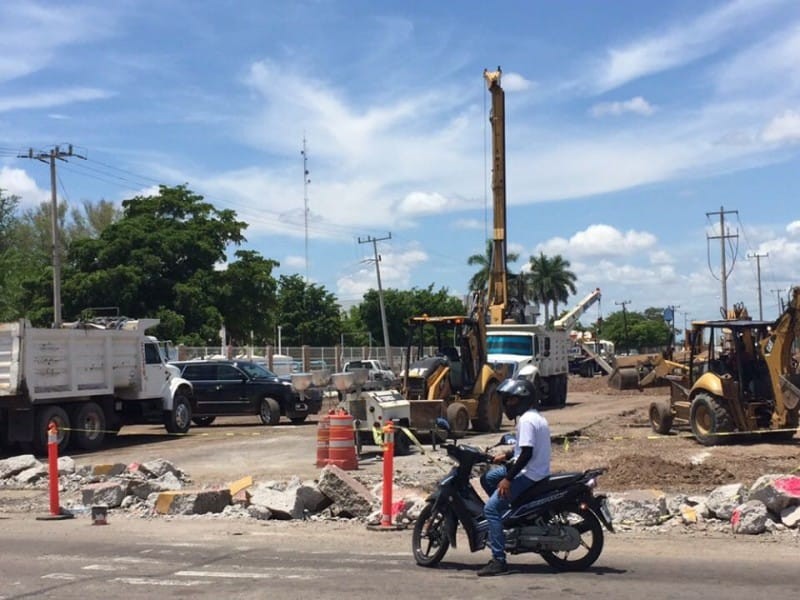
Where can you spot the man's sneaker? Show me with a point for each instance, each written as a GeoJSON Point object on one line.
{"type": "Point", "coordinates": [494, 567]}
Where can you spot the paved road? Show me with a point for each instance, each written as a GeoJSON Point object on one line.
{"type": "Point", "coordinates": [206, 558]}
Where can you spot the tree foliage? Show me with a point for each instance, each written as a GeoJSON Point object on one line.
{"type": "Point", "coordinates": [307, 313]}
{"type": "Point", "coordinates": [636, 331]}
{"type": "Point", "coordinates": [160, 255]}
{"type": "Point", "coordinates": [550, 281]}
{"type": "Point", "coordinates": [401, 305]}
{"type": "Point", "coordinates": [480, 279]}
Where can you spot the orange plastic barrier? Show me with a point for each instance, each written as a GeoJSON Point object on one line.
{"type": "Point", "coordinates": [323, 440]}
{"type": "Point", "coordinates": [342, 444]}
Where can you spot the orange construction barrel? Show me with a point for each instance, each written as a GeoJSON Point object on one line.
{"type": "Point", "coordinates": [342, 445]}
{"type": "Point", "coordinates": [323, 440]}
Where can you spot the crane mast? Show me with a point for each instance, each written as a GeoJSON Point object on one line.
{"type": "Point", "coordinates": [498, 276]}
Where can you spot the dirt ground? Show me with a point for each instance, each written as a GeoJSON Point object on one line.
{"type": "Point", "coordinates": [638, 458]}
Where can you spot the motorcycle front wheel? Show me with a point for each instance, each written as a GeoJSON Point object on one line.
{"type": "Point", "coordinates": [590, 530]}
{"type": "Point", "coordinates": [429, 540]}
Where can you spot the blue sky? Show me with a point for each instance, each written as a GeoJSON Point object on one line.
{"type": "Point", "coordinates": [626, 123]}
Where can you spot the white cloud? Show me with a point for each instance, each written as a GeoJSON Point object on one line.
{"type": "Point", "coordinates": [469, 224]}
{"type": "Point", "coordinates": [16, 182]}
{"type": "Point", "coordinates": [661, 257]}
{"type": "Point", "coordinates": [396, 270]}
{"type": "Point", "coordinates": [793, 228]}
{"type": "Point", "coordinates": [295, 262]}
{"type": "Point", "coordinates": [514, 82]}
{"type": "Point", "coordinates": [51, 99]}
{"type": "Point", "coordinates": [783, 128]}
{"type": "Point", "coordinates": [678, 45]}
{"type": "Point", "coordinates": [598, 241]}
{"type": "Point", "coordinates": [423, 203]}
{"type": "Point", "coordinates": [637, 105]}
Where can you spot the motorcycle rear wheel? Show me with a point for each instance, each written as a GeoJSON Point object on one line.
{"type": "Point", "coordinates": [429, 540]}
{"type": "Point", "coordinates": [591, 532]}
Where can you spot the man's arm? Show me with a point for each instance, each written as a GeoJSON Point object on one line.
{"type": "Point", "coordinates": [526, 452]}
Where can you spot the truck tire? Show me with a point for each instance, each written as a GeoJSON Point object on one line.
{"type": "Point", "coordinates": [44, 416]}
{"type": "Point", "coordinates": [458, 419]}
{"type": "Point", "coordinates": [269, 411]}
{"type": "Point", "coordinates": [490, 411]}
{"type": "Point", "coordinates": [89, 425]}
{"type": "Point", "coordinates": [179, 419]}
{"type": "Point", "coordinates": [660, 417]}
{"type": "Point", "coordinates": [708, 419]}
{"type": "Point", "coordinates": [558, 385]}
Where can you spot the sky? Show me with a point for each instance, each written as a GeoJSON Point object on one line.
{"type": "Point", "coordinates": [630, 126]}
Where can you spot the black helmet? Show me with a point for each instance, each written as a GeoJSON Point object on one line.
{"type": "Point", "coordinates": [518, 396]}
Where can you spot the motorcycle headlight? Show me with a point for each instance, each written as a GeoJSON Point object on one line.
{"type": "Point", "coordinates": [592, 483]}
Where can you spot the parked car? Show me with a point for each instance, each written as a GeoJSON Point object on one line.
{"type": "Point", "coordinates": [240, 387]}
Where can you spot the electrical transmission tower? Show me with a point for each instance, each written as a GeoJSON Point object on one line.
{"type": "Point", "coordinates": [722, 237]}
{"type": "Point", "coordinates": [758, 258]}
{"type": "Point", "coordinates": [55, 153]}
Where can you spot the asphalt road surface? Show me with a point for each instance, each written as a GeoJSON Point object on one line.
{"type": "Point", "coordinates": [218, 558]}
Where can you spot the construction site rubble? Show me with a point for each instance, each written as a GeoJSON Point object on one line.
{"type": "Point", "coordinates": [154, 489]}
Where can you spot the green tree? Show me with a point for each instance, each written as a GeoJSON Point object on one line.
{"type": "Point", "coordinates": [550, 281]}
{"type": "Point", "coordinates": [307, 313]}
{"type": "Point", "coordinates": [160, 255]}
{"type": "Point", "coordinates": [480, 279]}
{"type": "Point", "coordinates": [631, 330]}
{"type": "Point", "coordinates": [248, 299]}
{"type": "Point", "coordinates": [401, 305]}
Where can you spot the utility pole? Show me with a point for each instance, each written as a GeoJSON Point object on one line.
{"type": "Point", "coordinates": [685, 314]}
{"type": "Point", "coordinates": [624, 303]}
{"type": "Point", "coordinates": [724, 273]}
{"type": "Point", "coordinates": [306, 181]}
{"type": "Point", "coordinates": [377, 259]}
{"type": "Point", "coordinates": [780, 299]}
{"type": "Point", "coordinates": [54, 154]}
{"type": "Point", "coordinates": [758, 258]}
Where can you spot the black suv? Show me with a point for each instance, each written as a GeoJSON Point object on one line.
{"type": "Point", "coordinates": [240, 387]}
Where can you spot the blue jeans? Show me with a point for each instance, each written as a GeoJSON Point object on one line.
{"type": "Point", "coordinates": [496, 506]}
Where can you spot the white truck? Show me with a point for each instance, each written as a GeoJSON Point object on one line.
{"type": "Point", "coordinates": [379, 375]}
{"type": "Point", "coordinates": [536, 353]}
{"type": "Point", "coordinates": [89, 379]}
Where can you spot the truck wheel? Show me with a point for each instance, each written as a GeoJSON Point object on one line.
{"type": "Point", "coordinates": [458, 419]}
{"type": "Point", "coordinates": [560, 398]}
{"type": "Point", "coordinates": [89, 426]}
{"type": "Point", "coordinates": [490, 411]}
{"type": "Point", "coordinates": [45, 416]}
{"type": "Point", "coordinates": [660, 417]}
{"type": "Point", "coordinates": [402, 445]}
{"type": "Point", "coordinates": [270, 411]}
{"type": "Point", "coordinates": [709, 418]}
{"type": "Point", "coordinates": [179, 419]}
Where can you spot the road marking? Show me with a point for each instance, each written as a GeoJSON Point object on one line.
{"type": "Point", "coordinates": [159, 582]}
{"type": "Point", "coordinates": [97, 567]}
{"type": "Point", "coordinates": [66, 576]}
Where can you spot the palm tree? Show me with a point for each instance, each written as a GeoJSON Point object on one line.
{"type": "Point", "coordinates": [480, 279]}
{"type": "Point", "coordinates": [550, 280]}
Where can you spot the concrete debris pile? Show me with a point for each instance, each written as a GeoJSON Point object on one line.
{"type": "Point", "coordinates": [159, 488]}
{"type": "Point", "coordinates": [150, 489]}
{"type": "Point", "coordinates": [771, 504]}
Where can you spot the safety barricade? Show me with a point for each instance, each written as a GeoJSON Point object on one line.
{"type": "Point", "coordinates": [323, 440]}
{"type": "Point", "coordinates": [341, 445]}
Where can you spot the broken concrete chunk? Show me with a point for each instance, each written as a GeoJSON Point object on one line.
{"type": "Point", "coordinates": [110, 493]}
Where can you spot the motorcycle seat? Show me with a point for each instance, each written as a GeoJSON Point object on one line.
{"type": "Point", "coordinates": [541, 487]}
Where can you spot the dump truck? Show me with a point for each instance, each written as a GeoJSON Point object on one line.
{"type": "Point", "coordinates": [741, 381]}
{"type": "Point", "coordinates": [89, 379]}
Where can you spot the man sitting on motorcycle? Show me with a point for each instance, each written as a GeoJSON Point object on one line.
{"type": "Point", "coordinates": [531, 463]}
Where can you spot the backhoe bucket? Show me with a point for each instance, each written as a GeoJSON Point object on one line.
{"type": "Point", "coordinates": [624, 378]}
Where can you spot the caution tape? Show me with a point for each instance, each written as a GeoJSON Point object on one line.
{"type": "Point", "coordinates": [568, 439]}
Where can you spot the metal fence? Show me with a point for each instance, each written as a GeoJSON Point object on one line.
{"type": "Point", "coordinates": [303, 358]}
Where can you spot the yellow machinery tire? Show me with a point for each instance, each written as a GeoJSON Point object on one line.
{"type": "Point", "coordinates": [660, 417]}
{"type": "Point", "coordinates": [710, 420]}
{"type": "Point", "coordinates": [458, 419]}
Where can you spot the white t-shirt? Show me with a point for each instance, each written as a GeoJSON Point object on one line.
{"type": "Point", "coordinates": [533, 430]}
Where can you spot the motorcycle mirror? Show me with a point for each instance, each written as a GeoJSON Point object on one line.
{"type": "Point", "coordinates": [507, 439]}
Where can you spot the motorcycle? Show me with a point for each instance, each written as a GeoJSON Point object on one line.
{"type": "Point", "coordinates": [563, 521]}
